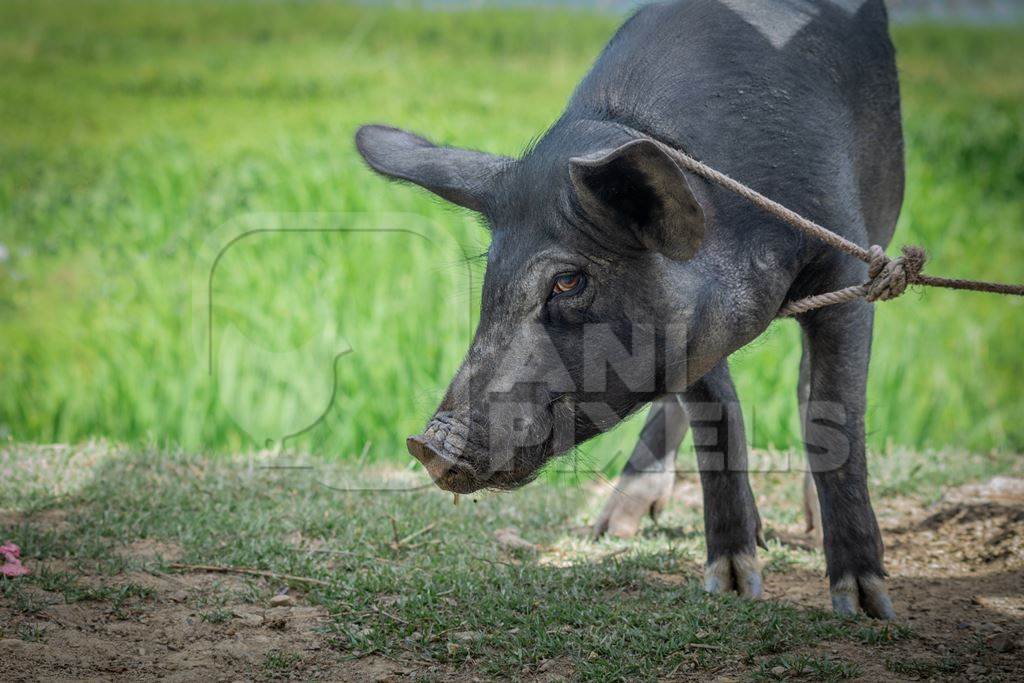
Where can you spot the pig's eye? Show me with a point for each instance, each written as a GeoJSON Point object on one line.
{"type": "Point", "coordinates": [568, 284]}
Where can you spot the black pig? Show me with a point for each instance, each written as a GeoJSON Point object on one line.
{"type": "Point", "coordinates": [616, 279]}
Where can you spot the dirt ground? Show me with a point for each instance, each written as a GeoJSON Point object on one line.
{"type": "Point", "coordinates": [957, 580]}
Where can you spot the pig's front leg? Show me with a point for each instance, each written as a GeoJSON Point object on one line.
{"type": "Point", "coordinates": [839, 346]}
{"type": "Point", "coordinates": [646, 483]}
{"type": "Point", "coordinates": [731, 523]}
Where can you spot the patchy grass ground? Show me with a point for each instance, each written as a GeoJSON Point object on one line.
{"type": "Point", "coordinates": [395, 581]}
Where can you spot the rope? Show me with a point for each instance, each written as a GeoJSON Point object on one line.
{"type": "Point", "coordinates": [888, 277]}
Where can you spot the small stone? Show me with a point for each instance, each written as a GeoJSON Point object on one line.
{"type": "Point", "coordinates": [467, 636]}
{"type": "Point", "coordinates": [778, 671]}
{"type": "Point", "coordinates": [283, 600]}
{"type": "Point", "coordinates": [248, 618]}
{"type": "Point", "coordinates": [509, 539]}
{"type": "Point", "coordinates": [1001, 642]}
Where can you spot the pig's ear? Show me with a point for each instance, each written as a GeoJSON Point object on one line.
{"type": "Point", "coordinates": [640, 188]}
{"type": "Point", "coordinates": [461, 176]}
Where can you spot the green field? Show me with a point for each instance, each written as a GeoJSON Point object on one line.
{"type": "Point", "coordinates": [138, 140]}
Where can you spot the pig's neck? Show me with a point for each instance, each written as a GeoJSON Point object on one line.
{"type": "Point", "coordinates": [742, 271]}
{"type": "Point", "coordinates": [730, 292]}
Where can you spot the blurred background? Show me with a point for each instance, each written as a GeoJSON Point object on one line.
{"type": "Point", "coordinates": [192, 254]}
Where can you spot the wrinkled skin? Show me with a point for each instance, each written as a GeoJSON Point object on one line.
{"type": "Point", "coordinates": [614, 278]}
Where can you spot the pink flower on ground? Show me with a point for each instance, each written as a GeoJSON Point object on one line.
{"type": "Point", "coordinates": [11, 555]}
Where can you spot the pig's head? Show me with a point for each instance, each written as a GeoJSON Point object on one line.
{"type": "Point", "coordinates": [591, 287]}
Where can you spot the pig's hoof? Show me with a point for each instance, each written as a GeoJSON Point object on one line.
{"type": "Point", "coordinates": [737, 573]}
{"type": "Point", "coordinates": [635, 495]}
{"type": "Point", "coordinates": [868, 592]}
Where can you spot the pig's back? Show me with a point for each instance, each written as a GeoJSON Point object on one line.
{"type": "Point", "coordinates": [797, 98]}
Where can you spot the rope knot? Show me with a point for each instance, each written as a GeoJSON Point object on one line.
{"type": "Point", "coordinates": [890, 277]}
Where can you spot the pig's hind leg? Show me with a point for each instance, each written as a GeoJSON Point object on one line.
{"type": "Point", "coordinates": [646, 483]}
{"type": "Point", "coordinates": [732, 525]}
{"type": "Point", "coordinates": [839, 346]}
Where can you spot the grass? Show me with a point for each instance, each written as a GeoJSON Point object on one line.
{"type": "Point", "coordinates": [217, 616]}
{"type": "Point", "coordinates": [277, 661]}
{"type": "Point", "coordinates": [32, 634]}
{"type": "Point", "coordinates": [138, 139]}
{"type": "Point", "coordinates": [799, 666]}
{"type": "Point", "coordinates": [450, 596]}
{"type": "Point", "coordinates": [922, 669]}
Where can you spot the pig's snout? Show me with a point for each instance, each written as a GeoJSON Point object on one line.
{"type": "Point", "coordinates": [440, 448]}
{"type": "Point", "coordinates": [447, 472]}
